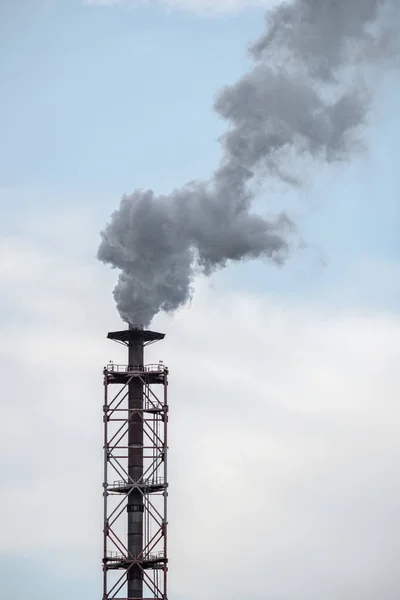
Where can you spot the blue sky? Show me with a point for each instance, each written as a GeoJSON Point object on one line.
{"type": "Point", "coordinates": [103, 99]}
{"type": "Point", "coordinates": [126, 88]}
{"type": "Point", "coordinates": [97, 101]}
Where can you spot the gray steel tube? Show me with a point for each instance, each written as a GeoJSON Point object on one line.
{"type": "Point", "coordinates": [135, 469]}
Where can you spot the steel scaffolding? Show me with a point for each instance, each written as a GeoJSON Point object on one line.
{"type": "Point", "coordinates": [135, 488]}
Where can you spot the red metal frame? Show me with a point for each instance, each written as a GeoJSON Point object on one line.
{"type": "Point", "coordinates": [153, 560]}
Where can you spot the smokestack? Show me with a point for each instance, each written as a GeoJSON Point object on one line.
{"type": "Point", "coordinates": [135, 408]}
{"type": "Point", "coordinates": [305, 96]}
{"type": "Point", "coordinates": [135, 507]}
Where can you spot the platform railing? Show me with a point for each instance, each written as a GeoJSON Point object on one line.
{"type": "Point", "coordinates": [117, 556]}
{"type": "Point", "coordinates": [147, 482]}
{"type": "Point", "coordinates": [151, 368]}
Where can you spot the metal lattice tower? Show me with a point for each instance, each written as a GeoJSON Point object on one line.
{"type": "Point", "coordinates": [135, 473]}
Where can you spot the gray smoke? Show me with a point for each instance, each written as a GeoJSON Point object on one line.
{"type": "Point", "coordinates": [305, 96]}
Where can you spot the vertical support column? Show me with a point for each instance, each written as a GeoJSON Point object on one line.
{"type": "Point", "coordinates": [165, 516]}
{"type": "Point", "coordinates": [135, 507]}
{"type": "Point", "coordinates": [105, 482]}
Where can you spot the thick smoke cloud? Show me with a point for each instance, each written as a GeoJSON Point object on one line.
{"type": "Point", "coordinates": [304, 97]}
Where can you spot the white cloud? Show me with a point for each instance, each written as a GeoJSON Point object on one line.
{"type": "Point", "coordinates": [283, 433]}
{"type": "Point", "coordinates": [289, 424]}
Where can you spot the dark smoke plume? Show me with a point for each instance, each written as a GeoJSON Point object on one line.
{"type": "Point", "coordinates": [303, 97]}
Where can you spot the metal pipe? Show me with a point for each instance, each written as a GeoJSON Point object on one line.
{"type": "Point", "coordinates": [135, 506]}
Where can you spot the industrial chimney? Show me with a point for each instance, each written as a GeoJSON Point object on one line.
{"type": "Point", "coordinates": [135, 472]}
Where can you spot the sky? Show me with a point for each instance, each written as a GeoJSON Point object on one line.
{"type": "Point", "coordinates": [284, 446]}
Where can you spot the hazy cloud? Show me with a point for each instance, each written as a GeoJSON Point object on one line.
{"type": "Point", "coordinates": [283, 438]}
